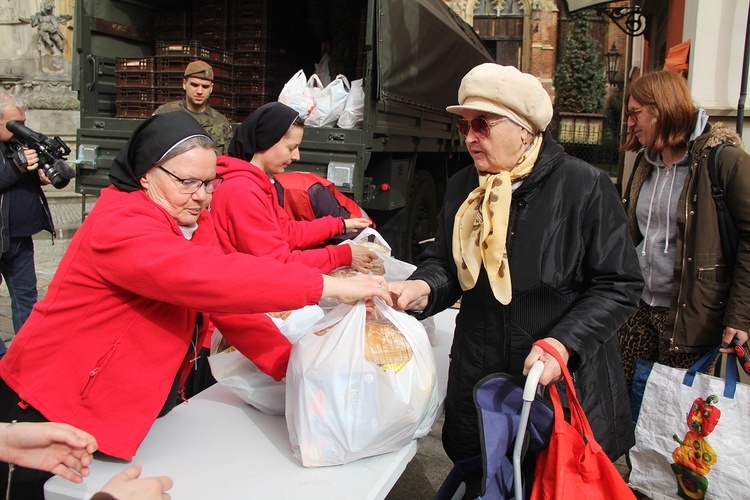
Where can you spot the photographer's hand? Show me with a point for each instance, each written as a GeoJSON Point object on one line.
{"type": "Point", "coordinates": [32, 160]}
{"type": "Point", "coordinates": [43, 177]}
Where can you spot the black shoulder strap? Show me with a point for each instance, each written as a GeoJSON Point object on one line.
{"type": "Point", "coordinates": [727, 229]}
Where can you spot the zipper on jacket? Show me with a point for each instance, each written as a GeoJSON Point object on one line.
{"type": "Point", "coordinates": [693, 175]}
{"type": "Point", "coordinates": [97, 368]}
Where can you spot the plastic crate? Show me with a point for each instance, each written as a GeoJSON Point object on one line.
{"type": "Point", "coordinates": [250, 45]}
{"type": "Point", "coordinates": [251, 59]}
{"type": "Point", "coordinates": [176, 65]}
{"type": "Point", "coordinates": [134, 64]}
{"type": "Point", "coordinates": [244, 31]}
{"type": "Point", "coordinates": [221, 101]}
{"type": "Point", "coordinates": [194, 49]}
{"type": "Point", "coordinates": [172, 18]}
{"type": "Point", "coordinates": [166, 33]}
{"type": "Point", "coordinates": [245, 73]}
{"type": "Point", "coordinates": [135, 79]}
{"type": "Point", "coordinates": [168, 95]}
{"type": "Point", "coordinates": [135, 109]}
{"type": "Point", "coordinates": [173, 81]}
{"type": "Point", "coordinates": [253, 86]}
{"type": "Point", "coordinates": [136, 94]}
{"type": "Point", "coordinates": [249, 8]}
{"type": "Point", "coordinates": [250, 101]}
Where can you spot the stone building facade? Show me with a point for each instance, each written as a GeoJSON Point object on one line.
{"type": "Point", "coordinates": [36, 63]}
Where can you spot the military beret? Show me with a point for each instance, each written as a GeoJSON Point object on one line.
{"type": "Point", "coordinates": [200, 69]}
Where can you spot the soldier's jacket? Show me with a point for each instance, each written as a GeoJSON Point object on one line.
{"type": "Point", "coordinates": [215, 124]}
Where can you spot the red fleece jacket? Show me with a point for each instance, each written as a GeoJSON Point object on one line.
{"type": "Point", "coordinates": [249, 220]}
{"type": "Point", "coordinates": [102, 350]}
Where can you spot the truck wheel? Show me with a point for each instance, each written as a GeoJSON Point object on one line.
{"type": "Point", "coordinates": [423, 213]}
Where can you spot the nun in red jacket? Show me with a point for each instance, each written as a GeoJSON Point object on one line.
{"type": "Point", "coordinates": [247, 213]}
{"type": "Point", "coordinates": [109, 347]}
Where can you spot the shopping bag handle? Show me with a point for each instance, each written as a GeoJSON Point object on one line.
{"type": "Point", "coordinates": [703, 364]}
{"type": "Point", "coordinates": [578, 418]}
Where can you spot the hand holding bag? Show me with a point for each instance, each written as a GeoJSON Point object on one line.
{"type": "Point", "coordinates": [574, 466]}
{"type": "Point", "coordinates": [349, 398]}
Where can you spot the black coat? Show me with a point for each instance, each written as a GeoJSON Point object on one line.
{"type": "Point", "coordinates": [575, 277]}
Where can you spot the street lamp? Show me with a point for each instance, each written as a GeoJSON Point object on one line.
{"type": "Point", "coordinates": [613, 57]}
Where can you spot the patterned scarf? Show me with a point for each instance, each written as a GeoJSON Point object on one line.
{"type": "Point", "coordinates": [481, 226]}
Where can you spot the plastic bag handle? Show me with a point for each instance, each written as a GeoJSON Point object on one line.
{"type": "Point", "coordinates": [314, 81]}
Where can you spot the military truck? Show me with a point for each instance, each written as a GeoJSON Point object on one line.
{"type": "Point", "coordinates": [411, 55]}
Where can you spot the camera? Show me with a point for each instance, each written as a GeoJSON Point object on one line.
{"type": "Point", "coordinates": [52, 153]}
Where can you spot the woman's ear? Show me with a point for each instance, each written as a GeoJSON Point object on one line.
{"type": "Point", "coordinates": [145, 181]}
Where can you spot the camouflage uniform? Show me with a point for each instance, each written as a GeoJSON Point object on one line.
{"type": "Point", "coordinates": [215, 124]}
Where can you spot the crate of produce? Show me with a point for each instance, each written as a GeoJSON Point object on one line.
{"type": "Point", "coordinates": [135, 79]}
{"type": "Point", "coordinates": [134, 64]}
{"type": "Point", "coordinates": [194, 49]}
{"type": "Point", "coordinates": [136, 94]}
{"type": "Point", "coordinates": [135, 109]}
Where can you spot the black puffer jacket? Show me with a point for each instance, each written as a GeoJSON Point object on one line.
{"type": "Point", "coordinates": [575, 277]}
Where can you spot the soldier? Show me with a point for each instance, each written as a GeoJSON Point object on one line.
{"type": "Point", "coordinates": [198, 84]}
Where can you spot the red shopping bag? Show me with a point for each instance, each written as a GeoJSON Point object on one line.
{"type": "Point", "coordinates": [574, 466]}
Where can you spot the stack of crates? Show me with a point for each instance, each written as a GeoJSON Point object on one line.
{"type": "Point", "coordinates": [173, 57]}
{"type": "Point", "coordinates": [172, 25]}
{"type": "Point", "coordinates": [211, 22]}
{"type": "Point", "coordinates": [257, 56]}
{"type": "Point", "coordinates": [136, 80]}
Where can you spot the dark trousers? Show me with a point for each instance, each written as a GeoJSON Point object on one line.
{"type": "Point", "coordinates": [17, 268]}
{"type": "Point", "coordinates": [26, 484]}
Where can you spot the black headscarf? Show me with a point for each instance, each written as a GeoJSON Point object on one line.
{"type": "Point", "coordinates": [149, 143]}
{"type": "Point", "coordinates": [262, 129]}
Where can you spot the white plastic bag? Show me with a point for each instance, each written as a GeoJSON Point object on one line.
{"type": "Point", "coordinates": [321, 70]}
{"type": "Point", "coordinates": [240, 375]}
{"type": "Point", "coordinates": [354, 109]}
{"type": "Point", "coordinates": [340, 406]}
{"type": "Point", "coordinates": [329, 103]}
{"type": "Point", "coordinates": [299, 93]}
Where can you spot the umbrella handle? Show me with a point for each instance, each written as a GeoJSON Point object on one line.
{"type": "Point", "coordinates": [532, 381]}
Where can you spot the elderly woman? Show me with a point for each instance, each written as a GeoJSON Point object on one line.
{"type": "Point", "coordinates": [247, 213]}
{"type": "Point", "coordinates": [109, 347]}
{"type": "Point", "coordinates": [535, 244]}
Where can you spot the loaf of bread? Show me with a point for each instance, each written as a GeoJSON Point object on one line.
{"type": "Point", "coordinates": [280, 315]}
{"type": "Point", "coordinates": [343, 272]}
{"type": "Point", "coordinates": [386, 346]}
{"type": "Point", "coordinates": [378, 266]}
{"type": "Point", "coordinates": [375, 247]}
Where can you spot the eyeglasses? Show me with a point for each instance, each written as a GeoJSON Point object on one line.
{"type": "Point", "coordinates": [480, 126]}
{"type": "Point", "coordinates": [190, 186]}
{"type": "Point", "coordinates": [632, 114]}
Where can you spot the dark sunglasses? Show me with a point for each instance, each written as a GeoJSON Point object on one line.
{"type": "Point", "coordinates": [480, 126]}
